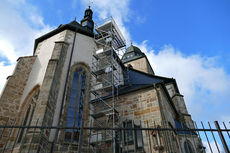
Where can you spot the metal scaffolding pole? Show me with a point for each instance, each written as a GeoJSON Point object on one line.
{"type": "Point", "coordinates": [106, 78]}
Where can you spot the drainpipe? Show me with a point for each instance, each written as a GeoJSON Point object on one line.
{"type": "Point", "coordinates": [159, 99]}
{"type": "Point", "coordinates": [163, 117]}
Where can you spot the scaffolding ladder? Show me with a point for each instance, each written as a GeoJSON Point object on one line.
{"type": "Point", "coordinates": [106, 78]}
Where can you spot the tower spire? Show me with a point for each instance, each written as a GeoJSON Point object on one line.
{"type": "Point", "coordinates": [87, 21]}
{"type": "Point", "coordinates": [89, 4]}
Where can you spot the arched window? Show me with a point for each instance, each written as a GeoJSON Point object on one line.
{"type": "Point", "coordinates": [31, 103]}
{"type": "Point", "coordinates": [188, 147]}
{"type": "Point", "coordinates": [76, 103]}
{"type": "Point", "coordinates": [24, 124]}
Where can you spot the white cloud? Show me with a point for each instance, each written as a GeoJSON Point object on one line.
{"type": "Point", "coordinates": [20, 26]}
{"type": "Point", "coordinates": [204, 85]}
{"type": "Point", "coordinates": [140, 20]}
{"type": "Point", "coordinates": [213, 147]}
{"type": "Point", "coordinates": [226, 119]}
{"type": "Point", "coordinates": [7, 69]}
{"type": "Point", "coordinates": [7, 50]}
{"type": "Point", "coordinates": [118, 9]}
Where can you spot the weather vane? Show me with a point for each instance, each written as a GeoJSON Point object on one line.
{"type": "Point", "coordinates": [90, 2]}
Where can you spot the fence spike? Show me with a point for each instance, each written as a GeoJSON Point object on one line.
{"type": "Point", "coordinates": [214, 138]}
{"type": "Point", "coordinates": [207, 137]}
{"type": "Point", "coordinates": [8, 138]}
{"type": "Point", "coordinates": [221, 137]}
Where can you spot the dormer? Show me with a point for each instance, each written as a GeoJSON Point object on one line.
{"type": "Point", "coordinates": [135, 58]}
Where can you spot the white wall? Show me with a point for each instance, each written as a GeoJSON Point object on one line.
{"type": "Point", "coordinates": [83, 49]}
{"type": "Point", "coordinates": [43, 51]}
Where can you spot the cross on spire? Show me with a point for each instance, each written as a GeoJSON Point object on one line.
{"type": "Point", "coordinates": [90, 3]}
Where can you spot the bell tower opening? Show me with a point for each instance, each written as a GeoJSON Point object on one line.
{"type": "Point", "coordinates": [87, 21]}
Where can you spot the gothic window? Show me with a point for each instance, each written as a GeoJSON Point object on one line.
{"type": "Point", "coordinates": [118, 140]}
{"type": "Point", "coordinates": [139, 140]}
{"type": "Point", "coordinates": [76, 102]}
{"type": "Point", "coordinates": [128, 134]}
{"type": "Point", "coordinates": [28, 114]}
{"type": "Point", "coordinates": [24, 124]}
{"type": "Point", "coordinates": [188, 147]}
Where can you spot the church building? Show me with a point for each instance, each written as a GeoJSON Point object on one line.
{"type": "Point", "coordinates": [85, 91]}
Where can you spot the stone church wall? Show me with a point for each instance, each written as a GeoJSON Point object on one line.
{"type": "Point", "coordinates": [12, 93]}
{"type": "Point", "coordinates": [143, 109]}
{"type": "Point", "coordinates": [140, 107]}
{"type": "Point", "coordinates": [139, 64]}
{"type": "Point", "coordinates": [43, 52]}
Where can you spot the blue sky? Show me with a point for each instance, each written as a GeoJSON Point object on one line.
{"type": "Point", "coordinates": [184, 39]}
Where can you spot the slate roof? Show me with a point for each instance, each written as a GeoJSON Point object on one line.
{"type": "Point", "coordinates": [138, 80]}
{"type": "Point", "coordinates": [132, 53]}
{"type": "Point", "coordinates": [138, 77]}
{"type": "Point", "coordinates": [74, 26]}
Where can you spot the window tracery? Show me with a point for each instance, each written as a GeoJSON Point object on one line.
{"type": "Point", "coordinates": [76, 100]}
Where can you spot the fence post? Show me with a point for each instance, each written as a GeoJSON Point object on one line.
{"type": "Point", "coordinates": [221, 137]}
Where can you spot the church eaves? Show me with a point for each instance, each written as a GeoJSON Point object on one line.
{"type": "Point", "coordinates": [73, 26]}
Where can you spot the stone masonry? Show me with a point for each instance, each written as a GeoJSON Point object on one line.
{"type": "Point", "coordinates": [44, 111]}
{"type": "Point", "coordinates": [11, 96]}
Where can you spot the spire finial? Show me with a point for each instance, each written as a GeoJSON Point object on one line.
{"type": "Point", "coordinates": [131, 42]}
{"type": "Point", "coordinates": [89, 4]}
{"type": "Point", "coordinates": [75, 18]}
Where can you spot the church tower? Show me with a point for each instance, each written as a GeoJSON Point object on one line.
{"type": "Point", "coordinates": [88, 19]}
{"type": "Point", "coordinates": [135, 58]}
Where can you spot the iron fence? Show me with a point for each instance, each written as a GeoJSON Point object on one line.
{"type": "Point", "coordinates": [211, 137]}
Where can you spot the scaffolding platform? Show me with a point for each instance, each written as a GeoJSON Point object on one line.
{"type": "Point", "coordinates": [104, 70]}
{"type": "Point", "coordinates": [108, 31]}
{"type": "Point", "coordinates": [98, 138]}
{"type": "Point", "coordinates": [104, 54]}
{"type": "Point", "coordinates": [104, 112]}
{"type": "Point", "coordinates": [102, 88]}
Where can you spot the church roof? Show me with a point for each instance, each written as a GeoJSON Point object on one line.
{"type": "Point", "coordinates": [73, 26]}
{"type": "Point", "coordinates": [139, 80]}
{"type": "Point", "coordinates": [132, 53]}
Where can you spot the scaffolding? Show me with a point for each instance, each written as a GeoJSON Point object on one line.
{"type": "Point", "coordinates": [107, 76]}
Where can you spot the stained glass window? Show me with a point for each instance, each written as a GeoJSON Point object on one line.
{"type": "Point", "coordinates": [76, 102]}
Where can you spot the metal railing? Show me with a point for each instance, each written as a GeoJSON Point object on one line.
{"type": "Point", "coordinates": [202, 137]}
